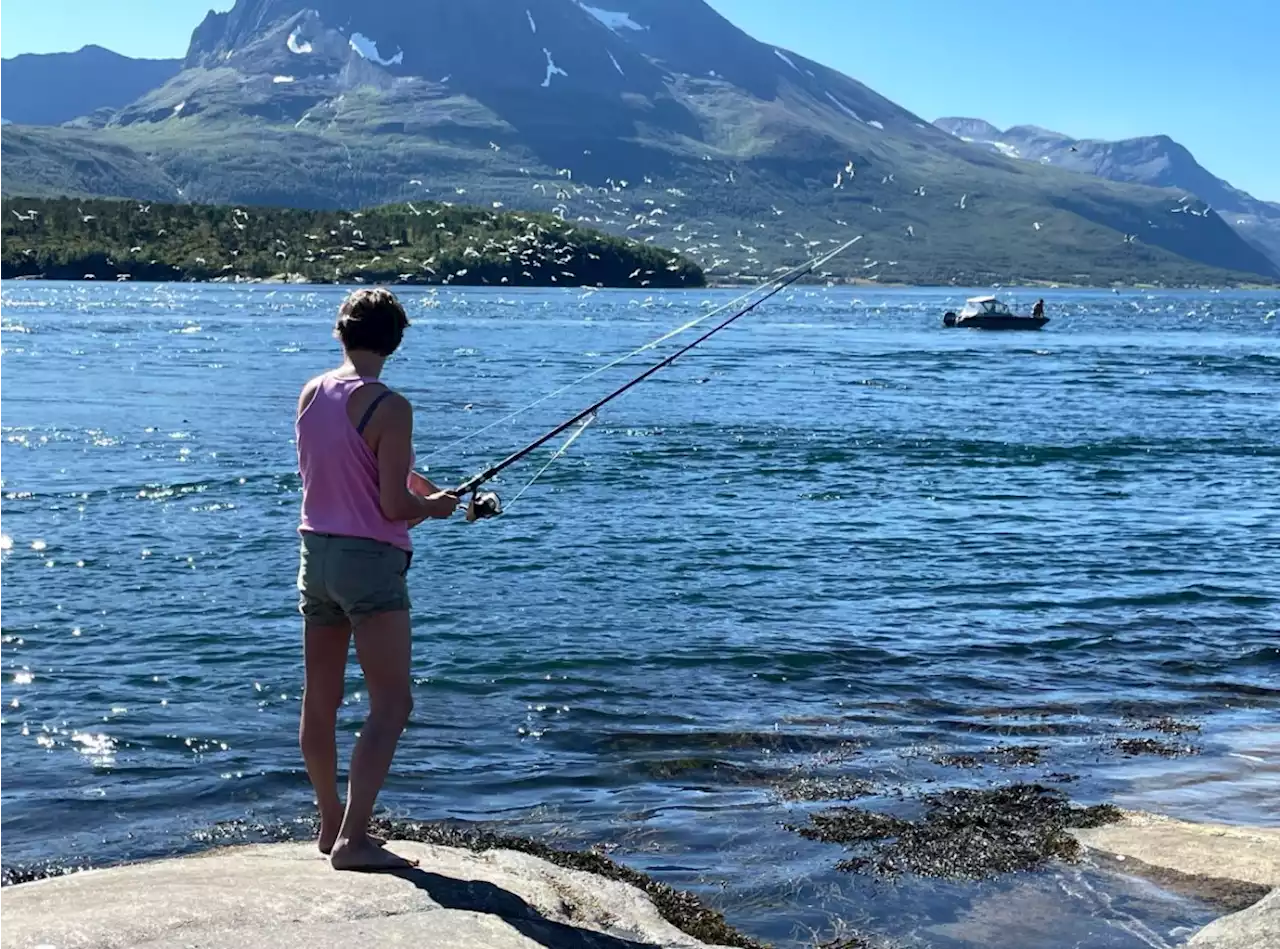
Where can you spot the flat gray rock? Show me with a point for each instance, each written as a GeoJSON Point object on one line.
{"type": "Point", "coordinates": [1247, 854]}
{"type": "Point", "coordinates": [287, 896]}
{"type": "Point", "coordinates": [1205, 853]}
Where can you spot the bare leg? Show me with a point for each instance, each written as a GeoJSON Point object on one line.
{"type": "Point", "coordinates": [384, 648]}
{"type": "Point", "coordinates": [325, 650]}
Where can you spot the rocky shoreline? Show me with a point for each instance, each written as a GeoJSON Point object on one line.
{"type": "Point", "coordinates": [285, 895]}
{"type": "Point", "coordinates": [1237, 867]}
{"type": "Point", "coordinates": [507, 893]}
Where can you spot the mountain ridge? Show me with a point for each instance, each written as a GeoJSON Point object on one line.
{"type": "Point", "coordinates": [52, 88]}
{"type": "Point", "coordinates": [1156, 160]}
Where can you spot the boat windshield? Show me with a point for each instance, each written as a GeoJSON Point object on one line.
{"type": "Point", "coordinates": [985, 306]}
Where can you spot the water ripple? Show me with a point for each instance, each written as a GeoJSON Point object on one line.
{"type": "Point", "coordinates": [837, 541]}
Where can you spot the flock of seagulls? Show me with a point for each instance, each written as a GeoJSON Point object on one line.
{"type": "Point", "coordinates": [642, 216]}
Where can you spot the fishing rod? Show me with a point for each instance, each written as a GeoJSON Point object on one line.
{"type": "Point", "coordinates": [613, 363]}
{"type": "Point", "coordinates": [488, 504]}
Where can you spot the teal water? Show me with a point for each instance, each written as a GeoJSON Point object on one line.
{"type": "Point", "coordinates": [837, 541]}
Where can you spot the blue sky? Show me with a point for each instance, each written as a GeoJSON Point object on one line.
{"type": "Point", "coordinates": [1201, 71]}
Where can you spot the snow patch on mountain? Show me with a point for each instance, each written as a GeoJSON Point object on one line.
{"type": "Point", "coordinates": [552, 69]}
{"type": "Point", "coordinates": [614, 21]}
{"type": "Point", "coordinates": [985, 135]}
{"type": "Point", "coordinates": [368, 49]}
{"type": "Point", "coordinates": [281, 79]}
{"type": "Point", "coordinates": [786, 59]}
{"type": "Point", "coordinates": [296, 45]}
{"type": "Point", "coordinates": [615, 65]}
{"type": "Point", "coordinates": [532, 25]}
{"type": "Point", "coordinates": [874, 124]}
{"type": "Point", "coordinates": [844, 108]}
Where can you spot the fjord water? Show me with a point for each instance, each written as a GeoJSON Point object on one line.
{"type": "Point", "coordinates": [836, 541]}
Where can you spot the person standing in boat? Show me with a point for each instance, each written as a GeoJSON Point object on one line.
{"type": "Point", "coordinates": [1038, 310]}
{"type": "Point", "coordinates": [360, 497]}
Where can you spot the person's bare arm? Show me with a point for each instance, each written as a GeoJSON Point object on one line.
{"type": "Point", "coordinates": [308, 393]}
{"type": "Point", "coordinates": [421, 484]}
{"type": "Point", "coordinates": [395, 454]}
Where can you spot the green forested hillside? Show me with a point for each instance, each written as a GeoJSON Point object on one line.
{"type": "Point", "coordinates": [423, 242]}
{"type": "Point", "coordinates": [51, 162]}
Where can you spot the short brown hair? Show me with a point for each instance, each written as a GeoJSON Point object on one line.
{"type": "Point", "coordinates": [371, 319]}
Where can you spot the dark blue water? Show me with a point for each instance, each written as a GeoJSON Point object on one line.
{"type": "Point", "coordinates": [838, 541]}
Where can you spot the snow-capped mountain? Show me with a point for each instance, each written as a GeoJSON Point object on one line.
{"type": "Point", "coordinates": [1155, 160]}
{"type": "Point", "coordinates": [602, 47]}
{"type": "Point", "coordinates": [570, 69]}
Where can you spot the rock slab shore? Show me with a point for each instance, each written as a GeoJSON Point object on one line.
{"type": "Point", "coordinates": [286, 896]}
{"type": "Point", "coordinates": [1233, 864]}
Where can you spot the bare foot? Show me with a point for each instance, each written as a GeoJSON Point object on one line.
{"type": "Point", "coordinates": [329, 836]}
{"type": "Point", "coordinates": [365, 854]}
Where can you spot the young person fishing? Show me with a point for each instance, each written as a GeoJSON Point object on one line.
{"type": "Point", "coordinates": [360, 497]}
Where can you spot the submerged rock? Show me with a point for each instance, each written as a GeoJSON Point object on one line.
{"type": "Point", "coordinates": [1165, 724]}
{"type": "Point", "coordinates": [1232, 865]}
{"type": "Point", "coordinates": [1132, 747]}
{"type": "Point", "coordinates": [1002, 756]}
{"type": "Point", "coordinates": [962, 834]}
{"type": "Point", "coordinates": [286, 895]}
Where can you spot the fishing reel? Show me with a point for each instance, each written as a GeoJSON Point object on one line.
{"type": "Point", "coordinates": [483, 504]}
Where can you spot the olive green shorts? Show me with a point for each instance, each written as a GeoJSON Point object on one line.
{"type": "Point", "coordinates": [350, 578]}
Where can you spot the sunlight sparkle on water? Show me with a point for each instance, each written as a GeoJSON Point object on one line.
{"type": "Point", "coordinates": [99, 749]}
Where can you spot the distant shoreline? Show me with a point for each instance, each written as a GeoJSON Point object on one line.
{"type": "Point", "coordinates": [860, 283]}
{"type": "Point", "coordinates": [288, 280]}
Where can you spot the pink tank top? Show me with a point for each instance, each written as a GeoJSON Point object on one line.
{"type": "Point", "coordinates": [340, 471]}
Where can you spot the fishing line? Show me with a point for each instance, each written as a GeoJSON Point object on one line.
{"type": "Point", "coordinates": [736, 301]}
{"type": "Point", "coordinates": [555, 455]}
{"type": "Point", "coordinates": [488, 504]}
